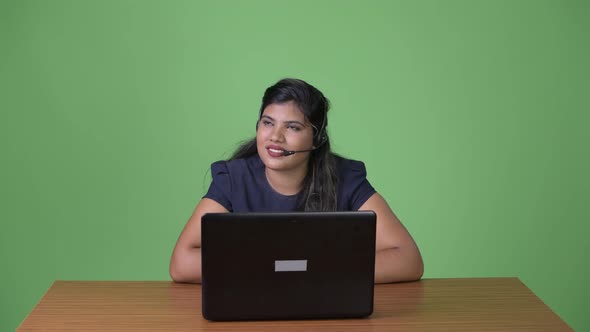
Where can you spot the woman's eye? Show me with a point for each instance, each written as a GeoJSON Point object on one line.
{"type": "Point", "coordinates": [266, 123]}
{"type": "Point", "coordinates": [294, 128]}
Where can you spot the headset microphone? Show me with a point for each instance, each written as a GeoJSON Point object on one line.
{"type": "Point", "coordinates": [288, 153]}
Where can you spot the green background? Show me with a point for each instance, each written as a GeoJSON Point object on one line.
{"type": "Point", "coordinates": [471, 116]}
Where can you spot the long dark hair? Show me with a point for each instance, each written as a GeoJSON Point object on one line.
{"type": "Point", "coordinates": [319, 185]}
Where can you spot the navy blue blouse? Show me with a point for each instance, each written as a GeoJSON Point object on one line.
{"type": "Point", "coordinates": [240, 185]}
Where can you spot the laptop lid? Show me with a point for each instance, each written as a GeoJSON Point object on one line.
{"type": "Point", "coordinates": [296, 265]}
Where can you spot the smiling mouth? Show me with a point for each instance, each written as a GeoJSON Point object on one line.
{"type": "Point", "coordinates": [276, 150]}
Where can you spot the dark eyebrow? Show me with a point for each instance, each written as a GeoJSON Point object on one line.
{"type": "Point", "coordinates": [286, 122]}
{"type": "Point", "coordinates": [295, 122]}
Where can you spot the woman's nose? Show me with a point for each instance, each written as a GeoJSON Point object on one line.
{"type": "Point", "coordinates": [277, 134]}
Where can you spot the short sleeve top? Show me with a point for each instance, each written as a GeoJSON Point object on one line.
{"type": "Point", "coordinates": [240, 185]}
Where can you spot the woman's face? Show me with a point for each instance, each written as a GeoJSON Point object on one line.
{"type": "Point", "coordinates": [283, 127]}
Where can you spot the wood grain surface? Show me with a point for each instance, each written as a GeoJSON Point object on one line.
{"type": "Point", "coordinates": [478, 304]}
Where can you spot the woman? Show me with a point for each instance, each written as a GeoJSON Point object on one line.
{"type": "Point", "coordinates": [289, 167]}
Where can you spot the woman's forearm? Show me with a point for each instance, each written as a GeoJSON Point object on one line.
{"type": "Point", "coordinates": [394, 265]}
{"type": "Point", "coordinates": [185, 266]}
{"type": "Point", "coordinates": [391, 265]}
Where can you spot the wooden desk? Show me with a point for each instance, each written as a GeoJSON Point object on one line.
{"type": "Point", "coordinates": [486, 304]}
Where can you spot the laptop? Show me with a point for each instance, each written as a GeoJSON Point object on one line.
{"type": "Point", "coordinates": [295, 265]}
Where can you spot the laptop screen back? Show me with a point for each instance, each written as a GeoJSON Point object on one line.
{"type": "Point", "coordinates": [294, 265]}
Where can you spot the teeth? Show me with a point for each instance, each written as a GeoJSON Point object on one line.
{"type": "Point", "coordinates": [275, 150]}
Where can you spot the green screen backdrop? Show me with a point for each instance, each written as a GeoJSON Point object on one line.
{"type": "Point", "coordinates": [471, 117]}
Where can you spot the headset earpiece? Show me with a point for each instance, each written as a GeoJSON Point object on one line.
{"type": "Point", "coordinates": [321, 137]}
{"type": "Point", "coordinates": [320, 141]}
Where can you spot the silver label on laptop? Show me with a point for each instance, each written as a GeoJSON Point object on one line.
{"type": "Point", "coordinates": [291, 265]}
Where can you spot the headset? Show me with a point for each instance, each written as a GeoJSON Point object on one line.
{"type": "Point", "coordinates": [319, 138]}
